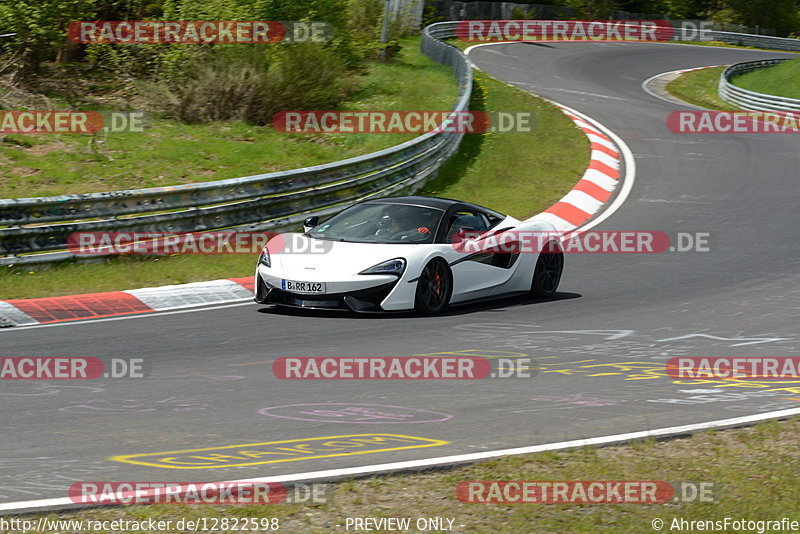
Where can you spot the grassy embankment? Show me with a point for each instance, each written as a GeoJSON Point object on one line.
{"type": "Point", "coordinates": [699, 87]}
{"type": "Point", "coordinates": [516, 173]}
{"type": "Point", "coordinates": [779, 80]}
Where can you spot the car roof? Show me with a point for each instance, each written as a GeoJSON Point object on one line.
{"type": "Point", "coordinates": [429, 202]}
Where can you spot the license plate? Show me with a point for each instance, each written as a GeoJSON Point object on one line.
{"type": "Point", "coordinates": [303, 287]}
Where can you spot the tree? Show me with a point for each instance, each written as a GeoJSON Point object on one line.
{"type": "Point", "coordinates": [778, 15]}
{"type": "Point", "coordinates": [593, 9]}
{"type": "Point", "coordinates": [41, 25]}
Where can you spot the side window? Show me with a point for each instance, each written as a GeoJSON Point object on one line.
{"type": "Point", "coordinates": [466, 220]}
{"type": "Point", "coordinates": [494, 220]}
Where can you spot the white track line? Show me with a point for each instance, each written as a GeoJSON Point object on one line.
{"type": "Point", "coordinates": [335, 474]}
{"type": "Point", "coordinates": [646, 86]}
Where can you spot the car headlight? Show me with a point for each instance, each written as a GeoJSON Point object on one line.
{"type": "Point", "coordinates": [395, 266]}
{"type": "Point", "coordinates": [264, 258]}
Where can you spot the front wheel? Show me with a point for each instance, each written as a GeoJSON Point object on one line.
{"type": "Point", "coordinates": [548, 271]}
{"type": "Point", "coordinates": [434, 288]}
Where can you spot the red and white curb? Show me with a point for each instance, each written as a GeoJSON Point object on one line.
{"type": "Point", "coordinates": [597, 184]}
{"type": "Point", "coordinates": [48, 310]}
{"type": "Point", "coordinates": [681, 71]}
{"type": "Point", "coordinates": [585, 206]}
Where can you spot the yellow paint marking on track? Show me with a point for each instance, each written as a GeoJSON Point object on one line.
{"type": "Point", "coordinates": [292, 450]}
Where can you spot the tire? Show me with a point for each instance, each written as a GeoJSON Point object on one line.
{"type": "Point", "coordinates": [547, 273]}
{"type": "Point", "coordinates": [434, 288]}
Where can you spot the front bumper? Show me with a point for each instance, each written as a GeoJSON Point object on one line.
{"type": "Point", "coordinates": [369, 299]}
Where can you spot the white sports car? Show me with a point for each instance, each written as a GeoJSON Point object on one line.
{"type": "Point", "coordinates": [406, 253]}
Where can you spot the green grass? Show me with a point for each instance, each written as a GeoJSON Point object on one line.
{"type": "Point", "coordinates": [779, 80]}
{"type": "Point", "coordinates": [515, 173]}
{"type": "Point", "coordinates": [170, 153]}
{"type": "Point", "coordinates": [754, 470]}
{"type": "Point", "coordinates": [125, 272]}
{"type": "Point", "coordinates": [699, 87]}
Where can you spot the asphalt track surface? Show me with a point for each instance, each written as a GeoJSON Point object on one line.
{"type": "Point", "coordinates": [210, 370]}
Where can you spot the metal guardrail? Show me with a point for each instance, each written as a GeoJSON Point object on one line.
{"type": "Point", "coordinates": [753, 100]}
{"type": "Point", "coordinates": [260, 202]}
{"type": "Point", "coordinates": [744, 98]}
{"type": "Point", "coordinates": [759, 41]}
{"type": "Point", "coordinates": [35, 226]}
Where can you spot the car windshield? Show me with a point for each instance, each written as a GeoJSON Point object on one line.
{"type": "Point", "coordinates": [381, 223]}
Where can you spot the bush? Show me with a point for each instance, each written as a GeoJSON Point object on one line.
{"type": "Point", "coordinates": [251, 84]}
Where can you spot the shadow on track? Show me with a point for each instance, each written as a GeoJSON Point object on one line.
{"type": "Point", "coordinates": [498, 305]}
{"type": "Point", "coordinates": [537, 44]}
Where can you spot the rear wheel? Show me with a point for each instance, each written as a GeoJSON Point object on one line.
{"type": "Point", "coordinates": [434, 288]}
{"type": "Point", "coordinates": [548, 271]}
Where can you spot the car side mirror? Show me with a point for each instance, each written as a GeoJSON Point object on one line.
{"type": "Point", "coordinates": [310, 223]}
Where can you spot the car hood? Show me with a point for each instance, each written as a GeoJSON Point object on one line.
{"type": "Point", "coordinates": [319, 258]}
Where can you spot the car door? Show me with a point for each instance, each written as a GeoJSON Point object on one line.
{"type": "Point", "coordinates": [476, 271]}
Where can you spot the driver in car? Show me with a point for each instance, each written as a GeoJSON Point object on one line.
{"type": "Point", "coordinates": [393, 224]}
